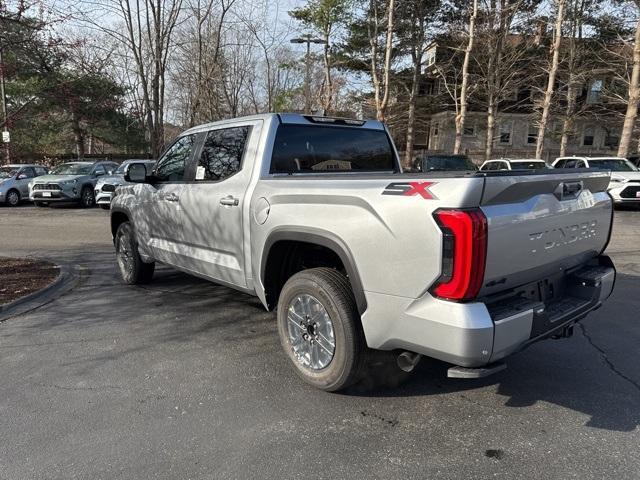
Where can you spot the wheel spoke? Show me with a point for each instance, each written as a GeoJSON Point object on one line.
{"type": "Point", "coordinates": [310, 332]}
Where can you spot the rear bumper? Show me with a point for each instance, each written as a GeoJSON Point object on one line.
{"type": "Point", "coordinates": [476, 334]}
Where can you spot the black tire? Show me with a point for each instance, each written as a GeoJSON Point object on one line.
{"type": "Point", "coordinates": [132, 269]}
{"type": "Point", "coordinates": [13, 198]}
{"type": "Point", "coordinates": [87, 197]}
{"type": "Point", "coordinates": [105, 207]}
{"type": "Point", "coordinates": [41, 204]}
{"type": "Point", "coordinates": [332, 290]}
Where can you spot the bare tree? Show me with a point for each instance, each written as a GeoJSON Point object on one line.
{"type": "Point", "coordinates": [461, 113]}
{"type": "Point", "coordinates": [553, 70]}
{"type": "Point", "coordinates": [380, 76]}
{"type": "Point", "coordinates": [633, 96]}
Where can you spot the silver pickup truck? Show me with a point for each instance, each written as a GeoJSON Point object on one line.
{"type": "Point", "coordinates": [314, 216]}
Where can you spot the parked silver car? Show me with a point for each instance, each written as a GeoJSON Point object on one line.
{"type": "Point", "coordinates": [108, 184]}
{"type": "Point", "coordinates": [71, 182]}
{"type": "Point", "coordinates": [14, 182]}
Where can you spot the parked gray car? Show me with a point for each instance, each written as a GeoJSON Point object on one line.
{"type": "Point", "coordinates": [107, 185]}
{"type": "Point", "coordinates": [71, 182]}
{"type": "Point", "coordinates": [314, 216]}
{"type": "Point", "coordinates": [14, 182]}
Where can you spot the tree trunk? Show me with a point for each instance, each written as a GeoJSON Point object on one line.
{"type": "Point", "coordinates": [328, 82]}
{"type": "Point", "coordinates": [382, 111]}
{"type": "Point", "coordinates": [548, 94]}
{"type": "Point", "coordinates": [491, 126]}
{"type": "Point", "coordinates": [411, 119]}
{"type": "Point", "coordinates": [78, 135]}
{"type": "Point", "coordinates": [462, 113]}
{"type": "Point", "coordinates": [567, 126]}
{"type": "Point", "coordinates": [633, 98]}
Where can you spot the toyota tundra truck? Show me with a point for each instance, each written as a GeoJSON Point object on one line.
{"type": "Point", "coordinates": [314, 216]}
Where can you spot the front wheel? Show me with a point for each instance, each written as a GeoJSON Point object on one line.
{"type": "Point", "coordinates": [132, 269]}
{"type": "Point", "coordinates": [87, 198]}
{"type": "Point", "coordinates": [105, 206]}
{"type": "Point", "coordinates": [319, 328]}
{"type": "Point", "coordinates": [13, 198]}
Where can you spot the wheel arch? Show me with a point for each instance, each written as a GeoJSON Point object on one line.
{"type": "Point", "coordinates": [118, 217]}
{"type": "Point", "coordinates": [279, 241]}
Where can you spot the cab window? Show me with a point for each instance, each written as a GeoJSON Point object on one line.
{"type": "Point", "coordinates": [171, 166]}
{"type": "Point", "coordinates": [222, 153]}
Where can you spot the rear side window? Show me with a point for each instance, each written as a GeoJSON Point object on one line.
{"type": "Point", "coordinates": [560, 164]}
{"type": "Point", "coordinates": [171, 166]}
{"type": "Point", "coordinates": [222, 153]}
{"type": "Point", "coordinates": [323, 149]}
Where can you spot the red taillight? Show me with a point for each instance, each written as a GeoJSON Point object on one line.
{"type": "Point", "coordinates": [464, 253]}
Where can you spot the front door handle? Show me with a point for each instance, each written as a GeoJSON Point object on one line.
{"type": "Point", "coordinates": [171, 197]}
{"type": "Point", "coordinates": [229, 201]}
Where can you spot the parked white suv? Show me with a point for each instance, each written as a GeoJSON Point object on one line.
{"type": "Point", "coordinates": [514, 164]}
{"type": "Point", "coordinates": [624, 186]}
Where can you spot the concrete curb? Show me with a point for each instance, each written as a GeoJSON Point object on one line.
{"type": "Point", "coordinates": [66, 279]}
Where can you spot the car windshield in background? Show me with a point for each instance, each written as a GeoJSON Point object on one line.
{"type": "Point", "coordinates": [447, 162]}
{"type": "Point", "coordinates": [613, 164]}
{"type": "Point", "coordinates": [320, 149]}
{"type": "Point", "coordinates": [7, 172]}
{"type": "Point", "coordinates": [527, 165]}
{"type": "Point", "coordinates": [71, 169]}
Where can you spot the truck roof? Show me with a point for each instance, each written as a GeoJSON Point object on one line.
{"type": "Point", "coordinates": [293, 118]}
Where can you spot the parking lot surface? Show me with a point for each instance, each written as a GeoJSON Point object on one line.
{"type": "Point", "coordinates": [186, 379]}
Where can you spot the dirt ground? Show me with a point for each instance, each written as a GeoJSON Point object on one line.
{"type": "Point", "coordinates": [22, 276]}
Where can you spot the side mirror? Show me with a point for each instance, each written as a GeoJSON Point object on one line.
{"type": "Point", "coordinates": [135, 173]}
{"type": "Point", "coordinates": [22, 176]}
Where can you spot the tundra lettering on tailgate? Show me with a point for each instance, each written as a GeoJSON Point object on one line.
{"type": "Point", "coordinates": [563, 235]}
{"type": "Point", "coordinates": [409, 189]}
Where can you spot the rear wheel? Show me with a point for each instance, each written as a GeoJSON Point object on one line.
{"type": "Point", "coordinates": [13, 198]}
{"type": "Point", "coordinates": [319, 328]}
{"type": "Point", "coordinates": [87, 198]}
{"type": "Point", "coordinates": [132, 269]}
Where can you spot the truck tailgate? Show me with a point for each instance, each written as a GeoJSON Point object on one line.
{"type": "Point", "coordinates": [541, 224]}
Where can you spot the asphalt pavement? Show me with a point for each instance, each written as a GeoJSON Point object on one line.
{"type": "Point", "coordinates": [186, 379]}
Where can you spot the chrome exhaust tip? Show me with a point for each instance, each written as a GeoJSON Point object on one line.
{"type": "Point", "coordinates": [407, 361]}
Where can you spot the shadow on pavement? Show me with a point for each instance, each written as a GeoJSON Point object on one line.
{"type": "Point", "coordinates": [578, 373]}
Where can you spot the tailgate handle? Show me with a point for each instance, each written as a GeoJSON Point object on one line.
{"type": "Point", "coordinates": [568, 190]}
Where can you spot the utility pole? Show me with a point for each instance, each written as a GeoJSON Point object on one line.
{"type": "Point", "coordinates": [308, 39]}
{"type": "Point", "coordinates": [5, 130]}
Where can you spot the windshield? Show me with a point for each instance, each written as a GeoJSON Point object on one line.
{"type": "Point", "coordinates": [613, 164]}
{"type": "Point", "coordinates": [447, 162]}
{"type": "Point", "coordinates": [8, 172]}
{"type": "Point", "coordinates": [72, 169]}
{"type": "Point", "coordinates": [527, 165]}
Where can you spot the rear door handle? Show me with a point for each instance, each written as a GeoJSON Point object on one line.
{"type": "Point", "coordinates": [229, 201]}
{"type": "Point", "coordinates": [171, 197]}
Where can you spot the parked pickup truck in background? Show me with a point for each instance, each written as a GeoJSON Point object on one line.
{"type": "Point", "coordinates": [314, 216]}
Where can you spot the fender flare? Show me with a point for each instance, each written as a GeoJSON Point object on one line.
{"type": "Point", "coordinates": [325, 239]}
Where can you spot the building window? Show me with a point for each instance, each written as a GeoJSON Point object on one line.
{"type": "Point", "coordinates": [436, 128]}
{"type": "Point", "coordinates": [611, 141]}
{"type": "Point", "coordinates": [532, 135]}
{"type": "Point", "coordinates": [588, 137]}
{"type": "Point", "coordinates": [505, 133]}
{"type": "Point", "coordinates": [595, 91]}
{"type": "Point", "coordinates": [469, 131]}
